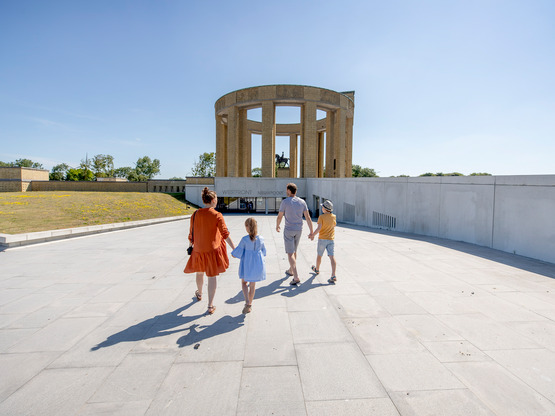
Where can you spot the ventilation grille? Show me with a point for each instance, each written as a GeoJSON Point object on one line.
{"type": "Point", "coordinates": [383, 221]}
{"type": "Point", "coordinates": [348, 212]}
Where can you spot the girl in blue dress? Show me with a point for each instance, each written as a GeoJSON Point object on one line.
{"type": "Point", "coordinates": [252, 268]}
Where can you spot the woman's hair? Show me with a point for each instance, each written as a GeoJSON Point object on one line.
{"type": "Point", "coordinates": [208, 195]}
{"type": "Point", "coordinates": [252, 227]}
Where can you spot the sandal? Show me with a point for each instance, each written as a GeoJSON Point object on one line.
{"type": "Point", "coordinates": [315, 270]}
{"type": "Point", "coordinates": [294, 282]}
{"type": "Point", "coordinates": [211, 310]}
{"type": "Point", "coordinates": [288, 273]}
{"type": "Point", "coordinates": [332, 280]}
{"type": "Point", "coordinates": [247, 309]}
{"type": "Point", "coordinates": [198, 295]}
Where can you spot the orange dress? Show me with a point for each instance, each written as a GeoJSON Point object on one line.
{"type": "Point", "coordinates": [209, 248]}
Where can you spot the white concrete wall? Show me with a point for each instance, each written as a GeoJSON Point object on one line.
{"type": "Point", "coordinates": [524, 216]}
{"type": "Point", "coordinates": [515, 214]}
{"type": "Point", "coordinates": [193, 193]}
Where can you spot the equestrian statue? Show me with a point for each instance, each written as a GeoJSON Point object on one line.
{"type": "Point", "coordinates": [282, 161]}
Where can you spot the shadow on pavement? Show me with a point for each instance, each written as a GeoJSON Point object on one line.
{"type": "Point", "coordinates": [276, 287]}
{"type": "Point", "coordinates": [138, 332]}
{"type": "Point", "coordinates": [221, 326]}
{"type": "Point", "coordinates": [498, 256]}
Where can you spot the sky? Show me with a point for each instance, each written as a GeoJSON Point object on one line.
{"type": "Point", "coordinates": [440, 86]}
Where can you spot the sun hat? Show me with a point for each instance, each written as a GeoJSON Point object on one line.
{"type": "Point", "coordinates": [328, 205]}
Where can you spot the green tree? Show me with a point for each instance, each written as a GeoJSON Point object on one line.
{"type": "Point", "coordinates": [22, 163]}
{"type": "Point", "coordinates": [86, 167]}
{"type": "Point", "coordinates": [175, 178]}
{"type": "Point", "coordinates": [79, 174]}
{"type": "Point", "coordinates": [59, 172]}
{"type": "Point", "coordinates": [206, 165]}
{"type": "Point", "coordinates": [26, 163]}
{"type": "Point", "coordinates": [360, 172]}
{"type": "Point", "coordinates": [442, 174]}
{"type": "Point", "coordinates": [122, 172]}
{"type": "Point", "coordinates": [480, 174]}
{"type": "Point", "coordinates": [256, 173]}
{"type": "Point", "coordinates": [103, 166]}
{"type": "Point", "coordinates": [146, 169]}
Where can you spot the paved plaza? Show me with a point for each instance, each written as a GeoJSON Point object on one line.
{"type": "Point", "coordinates": [108, 324]}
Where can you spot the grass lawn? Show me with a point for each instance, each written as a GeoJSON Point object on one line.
{"type": "Point", "coordinates": [24, 212]}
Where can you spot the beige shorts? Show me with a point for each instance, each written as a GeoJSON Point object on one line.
{"type": "Point", "coordinates": [291, 238]}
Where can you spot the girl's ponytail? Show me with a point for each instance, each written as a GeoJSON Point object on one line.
{"type": "Point", "coordinates": [252, 228]}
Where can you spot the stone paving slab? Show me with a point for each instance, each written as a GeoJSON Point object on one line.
{"type": "Point", "coordinates": [108, 324]}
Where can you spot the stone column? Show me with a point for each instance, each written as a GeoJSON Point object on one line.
{"type": "Point", "coordinates": [309, 140]}
{"type": "Point", "coordinates": [330, 145]}
{"type": "Point", "coordinates": [293, 155]}
{"type": "Point", "coordinates": [242, 150]}
{"type": "Point", "coordinates": [339, 142]}
{"type": "Point", "coordinates": [232, 142]}
{"type": "Point", "coordinates": [268, 139]}
{"type": "Point", "coordinates": [221, 148]}
{"type": "Point", "coordinates": [349, 148]}
{"type": "Point", "coordinates": [321, 154]}
{"type": "Point", "coordinates": [248, 153]}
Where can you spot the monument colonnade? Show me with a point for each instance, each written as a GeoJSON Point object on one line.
{"type": "Point", "coordinates": [332, 152]}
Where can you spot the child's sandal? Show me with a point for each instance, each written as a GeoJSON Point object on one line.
{"type": "Point", "coordinates": [198, 295]}
{"type": "Point", "coordinates": [315, 270]}
{"type": "Point", "coordinates": [211, 310]}
{"type": "Point", "coordinates": [332, 280]}
{"type": "Point", "coordinates": [247, 309]}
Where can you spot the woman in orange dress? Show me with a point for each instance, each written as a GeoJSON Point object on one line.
{"type": "Point", "coordinates": [208, 234]}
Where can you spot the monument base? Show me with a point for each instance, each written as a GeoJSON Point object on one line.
{"type": "Point", "coordinates": [282, 173]}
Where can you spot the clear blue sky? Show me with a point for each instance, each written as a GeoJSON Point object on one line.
{"type": "Point", "coordinates": [441, 86]}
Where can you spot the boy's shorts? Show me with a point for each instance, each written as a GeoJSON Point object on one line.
{"type": "Point", "coordinates": [324, 245]}
{"type": "Point", "coordinates": [291, 239]}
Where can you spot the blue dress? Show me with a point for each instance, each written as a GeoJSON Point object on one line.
{"type": "Point", "coordinates": [252, 267]}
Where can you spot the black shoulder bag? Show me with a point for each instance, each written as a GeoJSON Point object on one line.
{"type": "Point", "coordinates": [190, 248]}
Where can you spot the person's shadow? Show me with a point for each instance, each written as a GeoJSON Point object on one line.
{"type": "Point", "coordinates": [164, 323]}
{"type": "Point", "coordinates": [221, 326]}
{"type": "Point", "coordinates": [304, 287]}
{"type": "Point", "coordinates": [276, 287]}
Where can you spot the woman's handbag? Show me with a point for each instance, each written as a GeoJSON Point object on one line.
{"type": "Point", "coordinates": [190, 248]}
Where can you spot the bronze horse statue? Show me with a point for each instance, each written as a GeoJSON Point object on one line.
{"type": "Point", "coordinates": [281, 161]}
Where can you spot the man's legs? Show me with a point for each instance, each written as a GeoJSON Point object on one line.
{"type": "Point", "coordinates": [290, 269]}
{"type": "Point", "coordinates": [293, 265]}
{"type": "Point", "coordinates": [291, 241]}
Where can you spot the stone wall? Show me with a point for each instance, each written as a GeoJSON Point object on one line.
{"type": "Point", "coordinates": [86, 186]}
{"type": "Point", "coordinates": [25, 174]}
{"type": "Point", "coordinates": [158, 185]}
{"type": "Point", "coordinates": [7, 185]}
{"type": "Point", "coordinates": [193, 180]}
{"type": "Point", "coordinates": [509, 213]}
